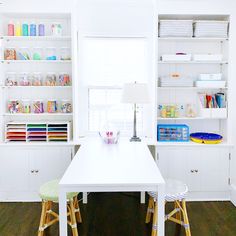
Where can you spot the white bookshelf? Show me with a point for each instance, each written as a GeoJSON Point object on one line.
{"type": "Point", "coordinates": [43, 66]}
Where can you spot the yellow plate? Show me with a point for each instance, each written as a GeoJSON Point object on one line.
{"type": "Point", "coordinates": [206, 141]}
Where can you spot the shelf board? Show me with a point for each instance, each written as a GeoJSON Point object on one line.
{"type": "Point", "coordinates": [36, 61]}
{"type": "Point", "coordinates": [192, 118]}
{"type": "Point", "coordinates": [54, 87]}
{"type": "Point", "coordinates": [193, 62]}
{"type": "Point", "coordinates": [192, 144]}
{"type": "Point", "coordinates": [191, 88]}
{"type": "Point", "coordinates": [38, 114]}
{"type": "Point", "coordinates": [192, 39]}
{"type": "Point", "coordinates": [35, 38]}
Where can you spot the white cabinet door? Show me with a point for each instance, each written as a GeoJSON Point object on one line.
{"type": "Point", "coordinates": [48, 164]}
{"type": "Point", "coordinates": [14, 170]}
{"type": "Point", "coordinates": [202, 169]}
{"type": "Point", "coordinates": [211, 170]}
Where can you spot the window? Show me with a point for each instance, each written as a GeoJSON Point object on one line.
{"type": "Point", "coordinates": [106, 64]}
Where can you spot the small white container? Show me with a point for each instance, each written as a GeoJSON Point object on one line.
{"type": "Point", "coordinates": [11, 79]}
{"type": "Point", "coordinates": [207, 57]}
{"type": "Point", "coordinates": [210, 77]}
{"type": "Point", "coordinates": [173, 57]}
{"type": "Point", "coordinates": [210, 84]}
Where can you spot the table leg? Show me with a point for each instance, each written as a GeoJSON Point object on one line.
{"type": "Point", "coordinates": [161, 210]}
{"type": "Point", "coordinates": [85, 197]}
{"type": "Point", "coordinates": [142, 198]}
{"type": "Point", "coordinates": [62, 212]}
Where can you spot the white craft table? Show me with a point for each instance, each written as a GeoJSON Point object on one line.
{"type": "Point", "coordinates": [123, 167]}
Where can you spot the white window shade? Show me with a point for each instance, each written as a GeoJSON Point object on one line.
{"type": "Point", "coordinates": [113, 61]}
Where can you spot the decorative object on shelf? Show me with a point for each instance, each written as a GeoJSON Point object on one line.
{"type": "Point", "coordinates": [23, 54]}
{"type": "Point", "coordinates": [169, 111]}
{"type": "Point", "coordinates": [25, 30]}
{"type": "Point", "coordinates": [38, 106]}
{"type": "Point", "coordinates": [10, 29]}
{"type": "Point", "coordinates": [56, 29]}
{"type": "Point", "coordinates": [51, 54]}
{"type": "Point", "coordinates": [15, 106]}
{"type": "Point", "coordinates": [135, 93]}
{"type": "Point", "coordinates": [33, 29]}
{"type": "Point", "coordinates": [41, 29]}
{"type": "Point", "coordinates": [24, 79]}
{"type": "Point", "coordinates": [37, 53]}
{"type": "Point", "coordinates": [66, 106]}
{"type": "Point", "coordinates": [11, 79]}
{"type": "Point", "coordinates": [26, 106]}
{"type": "Point", "coordinates": [206, 138]}
{"type": "Point", "coordinates": [10, 54]}
{"type": "Point", "coordinates": [172, 133]}
{"type": "Point", "coordinates": [110, 137]}
{"type": "Point", "coordinates": [64, 79]}
{"type": "Point", "coordinates": [65, 53]}
{"type": "Point", "coordinates": [52, 106]}
{"type": "Point", "coordinates": [51, 79]}
{"type": "Point", "coordinates": [191, 110]}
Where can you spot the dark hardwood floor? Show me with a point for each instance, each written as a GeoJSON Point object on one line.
{"type": "Point", "coordinates": [119, 214]}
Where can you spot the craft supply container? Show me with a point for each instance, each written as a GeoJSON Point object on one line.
{"type": "Point", "coordinates": [64, 79]}
{"type": "Point", "coordinates": [52, 106]}
{"type": "Point", "coordinates": [10, 54]}
{"type": "Point", "coordinates": [65, 53]}
{"type": "Point", "coordinates": [56, 29]}
{"type": "Point", "coordinates": [37, 53]}
{"type": "Point", "coordinates": [24, 79]}
{"type": "Point", "coordinates": [26, 105]}
{"type": "Point", "coordinates": [23, 54]}
{"type": "Point", "coordinates": [50, 79]}
{"type": "Point", "coordinates": [33, 29]}
{"type": "Point", "coordinates": [41, 29]}
{"type": "Point", "coordinates": [11, 79]}
{"type": "Point", "coordinates": [51, 53]}
{"type": "Point", "coordinates": [66, 106]}
{"type": "Point", "coordinates": [14, 106]}
{"type": "Point", "coordinates": [38, 106]}
{"type": "Point", "coordinates": [10, 29]}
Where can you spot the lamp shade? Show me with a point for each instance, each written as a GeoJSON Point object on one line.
{"type": "Point", "coordinates": [135, 93]}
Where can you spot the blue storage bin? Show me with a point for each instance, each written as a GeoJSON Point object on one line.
{"type": "Point", "coordinates": [172, 133]}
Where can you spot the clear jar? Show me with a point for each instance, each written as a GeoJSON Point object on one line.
{"type": "Point", "coordinates": [51, 54]}
{"type": "Point", "coordinates": [23, 54]}
{"type": "Point", "coordinates": [37, 79]}
{"type": "Point", "coordinates": [65, 53]}
{"type": "Point", "coordinates": [50, 79]}
{"type": "Point", "coordinates": [10, 54]}
{"type": "Point", "coordinates": [56, 29]}
{"type": "Point", "coordinates": [26, 105]}
{"type": "Point", "coordinates": [11, 79]}
{"type": "Point", "coordinates": [64, 79]}
{"type": "Point", "coordinates": [52, 106]}
{"type": "Point", "coordinates": [15, 106]}
{"type": "Point", "coordinates": [24, 79]}
{"type": "Point", "coordinates": [38, 106]}
{"type": "Point", "coordinates": [37, 53]}
{"type": "Point", "coordinates": [66, 106]}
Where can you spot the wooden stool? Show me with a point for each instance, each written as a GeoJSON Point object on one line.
{"type": "Point", "coordinates": [175, 192]}
{"type": "Point", "coordinates": [49, 195]}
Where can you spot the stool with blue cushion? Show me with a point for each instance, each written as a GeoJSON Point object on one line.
{"type": "Point", "coordinates": [49, 195]}
{"type": "Point", "coordinates": [175, 192]}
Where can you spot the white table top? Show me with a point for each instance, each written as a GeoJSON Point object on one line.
{"type": "Point", "coordinates": [121, 165]}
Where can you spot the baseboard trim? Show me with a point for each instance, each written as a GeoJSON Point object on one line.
{"type": "Point", "coordinates": [233, 194]}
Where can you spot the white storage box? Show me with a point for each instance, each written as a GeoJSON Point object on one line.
{"type": "Point", "coordinates": [176, 82]}
{"type": "Point", "coordinates": [210, 83]}
{"type": "Point", "coordinates": [174, 57]}
{"type": "Point", "coordinates": [210, 76]}
{"type": "Point", "coordinates": [211, 29]}
{"type": "Point", "coordinates": [176, 28]}
{"type": "Point", "coordinates": [207, 57]}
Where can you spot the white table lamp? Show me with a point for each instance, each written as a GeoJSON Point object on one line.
{"type": "Point", "coordinates": [135, 93]}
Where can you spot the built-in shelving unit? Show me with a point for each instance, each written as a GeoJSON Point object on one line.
{"type": "Point", "coordinates": [44, 92]}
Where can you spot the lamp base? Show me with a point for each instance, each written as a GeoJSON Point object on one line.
{"type": "Point", "coordinates": [135, 139]}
